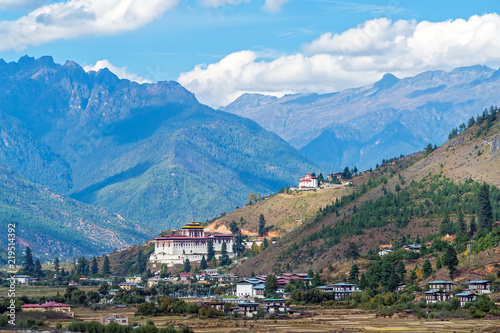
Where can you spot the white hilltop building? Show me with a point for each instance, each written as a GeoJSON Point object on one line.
{"type": "Point", "coordinates": [309, 181]}
{"type": "Point", "coordinates": [191, 244]}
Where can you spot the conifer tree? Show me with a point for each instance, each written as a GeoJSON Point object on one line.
{"type": "Point", "coordinates": [262, 225]}
{"type": "Point", "coordinates": [210, 250]}
{"type": "Point", "coordinates": [270, 285]}
{"type": "Point", "coordinates": [439, 263]}
{"type": "Point", "coordinates": [353, 274]}
{"type": "Point", "coordinates": [461, 226]}
{"type": "Point", "coordinates": [140, 262]}
{"type": "Point", "coordinates": [38, 269]}
{"type": "Point", "coordinates": [29, 264]}
{"type": "Point", "coordinates": [203, 263]}
{"type": "Point", "coordinates": [472, 225]}
{"type": "Point", "coordinates": [238, 244]}
{"type": "Point", "coordinates": [485, 213]}
{"type": "Point", "coordinates": [401, 270]}
{"type": "Point", "coordinates": [450, 260]}
{"type": "Point", "coordinates": [213, 262]}
{"type": "Point", "coordinates": [94, 268]}
{"type": "Point", "coordinates": [105, 266]}
{"type": "Point", "coordinates": [224, 257]}
{"type": "Point", "coordinates": [56, 265]}
{"type": "Point", "coordinates": [187, 266]}
{"type": "Point", "coordinates": [427, 268]}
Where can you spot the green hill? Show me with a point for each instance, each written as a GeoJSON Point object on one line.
{"type": "Point", "coordinates": [55, 225]}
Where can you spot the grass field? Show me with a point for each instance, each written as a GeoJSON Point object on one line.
{"type": "Point", "coordinates": [37, 291]}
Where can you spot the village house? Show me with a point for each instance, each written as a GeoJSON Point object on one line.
{"type": "Point", "coordinates": [434, 296]}
{"type": "Point", "coordinates": [384, 252]}
{"type": "Point", "coordinates": [337, 175]}
{"type": "Point", "coordinates": [309, 181]}
{"type": "Point", "coordinates": [342, 290]}
{"type": "Point", "coordinates": [248, 309]}
{"type": "Point", "coordinates": [49, 306]}
{"type": "Point", "coordinates": [480, 286]}
{"type": "Point", "coordinates": [466, 297]}
{"type": "Point", "coordinates": [191, 244]}
{"type": "Point", "coordinates": [114, 318]}
{"type": "Point", "coordinates": [446, 286]}
{"type": "Point", "coordinates": [22, 279]}
{"type": "Point", "coordinates": [326, 289]}
{"type": "Point", "coordinates": [274, 305]}
{"type": "Point", "coordinates": [412, 247]}
{"type": "Point", "coordinates": [153, 281]}
{"type": "Point", "coordinates": [129, 286]}
{"type": "Point", "coordinates": [113, 292]}
{"type": "Point", "coordinates": [251, 287]}
{"type": "Point", "coordinates": [133, 279]}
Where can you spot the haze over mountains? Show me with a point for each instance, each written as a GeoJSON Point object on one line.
{"type": "Point", "coordinates": [150, 152]}
{"type": "Point", "coordinates": [359, 127]}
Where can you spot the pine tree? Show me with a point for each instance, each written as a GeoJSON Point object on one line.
{"type": "Point", "coordinates": [94, 268]}
{"type": "Point", "coordinates": [353, 274]}
{"type": "Point", "coordinates": [485, 213]}
{"type": "Point", "coordinates": [270, 285]}
{"type": "Point", "coordinates": [352, 252]}
{"type": "Point", "coordinates": [262, 225]}
{"type": "Point", "coordinates": [238, 245]}
{"type": "Point", "coordinates": [472, 225]}
{"type": "Point", "coordinates": [187, 266]}
{"type": "Point", "coordinates": [401, 270]}
{"type": "Point", "coordinates": [234, 227]}
{"type": "Point", "coordinates": [446, 226]}
{"type": "Point", "coordinates": [439, 263]}
{"type": "Point", "coordinates": [461, 226]}
{"type": "Point", "coordinates": [427, 268]}
{"type": "Point", "coordinates": [29, 264]}
{"type": "Point", "coordinates": [224, 257]}
{"type": "Point", "coordinates": [105, 266]}
{"type": "Point", "coordinates": [140, 263]}
{"type": "Point", "coordinates": [210, 250]}
{"type": "Point", "coordinates": [56, 265]}
{"type": "Point", "coordinates": [362, 282]}
{"type": "Point", "coordinates": [265, 243]}
{"type": "Point", "coordinates": [203, 263]}
{"type": "Point", "coordinates": [450, 260]}
{"type": "Point", "coordinates": [213, 262]}
{"type": "Point", "coordinates": [38, 269]}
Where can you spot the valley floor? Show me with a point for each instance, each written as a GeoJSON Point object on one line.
{"type": "Point", "coordinates": [321, 320]}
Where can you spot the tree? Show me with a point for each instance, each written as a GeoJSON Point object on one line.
{"type": "Point", "coordinates": [83, 267]}
{"type": "Point", "coordinates": [251, 198]}
{"type": "Point", "coordinates": [213, 262]}
{"type": "Point", "coordinates": [439, 263]}
{"type": "Point", "coordinates": [224, 257]}
{"type": "Point", "coordinates": [187, 266]}
{"type": "Point", "coordinates": [445, 227]}
{"type": "Point", "coordinates": [29, 264]}
{"type": "Point", "coordinates": [238, 245]}
{"type": "Point", "coordinates": [265, 242]}
{"type": "Point", "coordinates": [210, 250]}
{"type": "Point", "coordinates": [271, 285]}
{"type": "Point", "coordinates": [401, 270]}
{"type": "Point", "coordinates": [472, 225]}
{"type": "Point", "coordinates": [203, 263]}
{"type": "Point", "coordinates": [427, 268]}
{"type": "Point", "coordinates": [94, 268]}
{"type": "Point", "coordinates": [38, 269]}
{"type": "Point", "coordinates": [262, 225]}
{"type": "Point", "coordinates": [485, 213]}
{"type": "Point", "coordinates": [105, 266]}
{"type": "Point", "coordinates": [258, 196]}
{"type": "Point", "coordinates": [352, 252]}
{"type": "Point", "coordinates": [450, 260]}
{"type": "Point", "coordinates": [316, 280]}
{"type": "Point", "coordinates": [346, 174]}
{"type": "Point", "coordinates": [461, 226]}
{"type": "Point", "coordinates": [353, 274]}
{"type": "Point", "coordinates": [56, 265]}
{"type": "Point", "coordinates": [140, 262]}
{"type": "Point", "coordinates": [234, 228]}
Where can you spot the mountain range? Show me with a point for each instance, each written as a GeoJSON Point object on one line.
{"type": "Point", "coordinates": [149, 152]}
{"type": "Point", "coordinates": [361, 126]}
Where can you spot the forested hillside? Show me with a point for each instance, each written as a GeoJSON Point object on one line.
{"type": "Point", "coordinates": [440, 194]}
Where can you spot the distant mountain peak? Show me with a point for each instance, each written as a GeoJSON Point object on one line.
{"type": "Point", "coordinates": [387, 81]}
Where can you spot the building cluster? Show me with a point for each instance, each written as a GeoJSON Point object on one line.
{"type": "Point", "coordinates": [49, 306]}
{"type": "Point", "coordinates": [441, 291]}
{"type": "Point", "coordinates": [244, 308]}
{"type": "Point", "coordinates": [341, 290]}
{"type": "Point", "coordinates": [254, 287]}
{"type": "Point", "coordinates": [191, 243]}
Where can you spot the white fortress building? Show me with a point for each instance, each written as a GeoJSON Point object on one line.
{"type": "Point", "coordinates": [309, 181]}
{"type": "Point", "coordinates": [191, 244]}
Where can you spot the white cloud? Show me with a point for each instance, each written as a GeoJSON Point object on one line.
{"type": "Point", "coordinates": [75, 18]}
{"type": "Point", "coordinates": [121, 72]}
{"type": "Point", "coordinates": [274, 6]}
{"type": "Point", "coordinates": [219, 3]}
{"type": "Point", "coordinates": [353, 58]}
{"type": "Point", "coordinates": [18, 4]}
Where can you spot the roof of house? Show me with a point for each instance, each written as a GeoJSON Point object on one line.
{"type": "Point", "coordinates": [343, 284]}
{"type": "Point", "coordinates": [433, 292]}
{"type": "Point", "coordinates": [258, 287]}
{"type": "Point", "coordinates": [248, 304]}
{"type": "Point", "coordinates": [479, 281]}
{"type": "Point", "coordinates": [45, 305]}
{"type": "Point", "coordinates": [274, 300]}
{"type": "Point", "coordinates": [441, 282]}
{"type": "Point", "coordinates": [465, 294]}
{"type": "Point", "coordinates": [324, 287]}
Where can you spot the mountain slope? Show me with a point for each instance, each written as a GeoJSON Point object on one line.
{"type": "Point", "coordinates": [55, 225]}
{"type": "Point", "coordinates": [418, 109]}
{"type": "Point", "coordinates": [150, 152]}
{"type": "Point", "coordinates": [410, 201]}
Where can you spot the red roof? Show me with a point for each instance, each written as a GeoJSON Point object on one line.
{"type": "Point", "coordinates": [45, 305]}
{"type": "Point", "coordinates": [184, 238]}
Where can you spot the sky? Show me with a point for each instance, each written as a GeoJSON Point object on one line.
{"type": "Point", "coordinates": [220, 49]}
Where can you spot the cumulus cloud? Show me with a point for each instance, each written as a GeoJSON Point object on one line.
{"type": "Point", "coordinates": [121, 72]}
{"type": "Point", "coordinates": [274, 6]}
{"type": "Point", "coordinates": [353, 58]}
{"type": "Point", "coordinates": [75, 18]}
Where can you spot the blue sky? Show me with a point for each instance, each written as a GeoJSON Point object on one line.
{"type": "Point", "coordinates": [221, 48]}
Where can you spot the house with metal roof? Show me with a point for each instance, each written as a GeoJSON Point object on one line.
{"type": "Point", "coordinates": [441, 285]}
{"type": "Point", "coordinates": [480, 286]}
{"type": "Point", "coordinates": [466, 297]}
{"type": "Point", "coordinates": [434, 296]}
